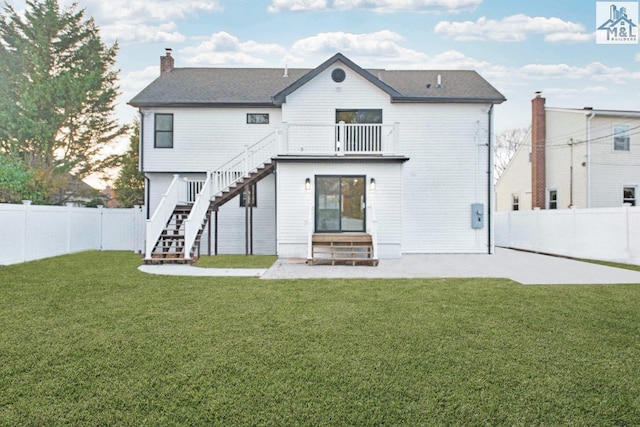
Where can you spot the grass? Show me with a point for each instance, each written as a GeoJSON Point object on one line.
{"type": "Point", "coordinates": [614, 264]}
{"type": "Point", "coordinates": [87, 339]}
{"type": "Point", "coordinates": [236, 261]}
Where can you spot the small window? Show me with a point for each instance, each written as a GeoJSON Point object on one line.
{"type": "Point", "coordinates": [253, 197]}
{"type": "Point", "coordinates": [163, 131]}
{"type": "Point", "coordinates": [629, 196]}
{"type": "Point", "coordinates": [621, 139]}
{"type": "Point", "coordinates": [553, 199]}
{"type": "Point", "coordinates": [515, 202]}
{"type": "Point", "coordinates": [258, 118]}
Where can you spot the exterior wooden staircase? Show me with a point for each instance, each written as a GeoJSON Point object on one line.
{"type": "Point", "coordinates": [342, 249]}
{"type": "Point", "coordinates": [170, 247]}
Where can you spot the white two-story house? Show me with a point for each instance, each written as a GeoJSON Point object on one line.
{"type": "Point", "coordinates": [574, 157]}
{"type": "Point", "coordinates": [336, 163]}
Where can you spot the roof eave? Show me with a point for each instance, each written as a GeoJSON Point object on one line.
{"type": "Point", "coordinates": [444, 99]}
{"type": "Point", "coordinates": [203, 104]}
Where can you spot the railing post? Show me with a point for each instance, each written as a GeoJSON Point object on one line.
{"type": "Point", "coordinates": [340, 143]}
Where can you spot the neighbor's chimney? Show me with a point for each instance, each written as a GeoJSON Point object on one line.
{"type": "Point", "coordinates": [166, 62]}
{"type": "Point", "coordinates": [538, 142]}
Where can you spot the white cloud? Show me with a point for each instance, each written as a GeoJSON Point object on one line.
{"type": "Point", "coordinates": [512, 28]}
{"type": "Point", "coordinates": [128, 33]}
{"type": "Point", "coordinates": [148, 10]}
{"type": "Point", "coordinates": [142, 21]}
{"type": "Point", "coordinates": [379, 6]}
{"type": "Point", "coordinates": [569, 37]}
{"type": "Point", "coordinates": [224, 48]}
{"type": "Point", "coordinates": [297, 5]}
{"type": "Point", "coordinates": [382, 43]}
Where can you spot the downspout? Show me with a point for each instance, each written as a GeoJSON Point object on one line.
{"type": "Point", "coordinates": [147, 183]}
{"type": "Point", "coordinates": [591, 116]}
{"type": "Point", "coordinates": [489, 179]}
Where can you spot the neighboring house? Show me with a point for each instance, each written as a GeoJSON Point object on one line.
{"type": "Point", "coordinates": [335, 161]}
{"type": "Point", "coordinates": [585, 158]}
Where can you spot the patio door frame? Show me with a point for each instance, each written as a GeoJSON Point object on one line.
{"type": "Point", "coordinates": [340, 201]}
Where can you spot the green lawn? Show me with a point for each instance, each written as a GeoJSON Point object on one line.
{"type": "Point", "coordinates": [87, 339]}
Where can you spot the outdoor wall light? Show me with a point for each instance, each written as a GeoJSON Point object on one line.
{"type": "Point", "coordinates": [372, 184]}
{"type": "Point", "coordinates": [307, 184]}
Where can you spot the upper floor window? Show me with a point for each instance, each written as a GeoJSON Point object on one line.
{"type": "Point", "coordinates": [629, 196]}
{"type": "Point", "coordinates": [359, 116]}
{"type": "Point", "coordinates": [163, 131]}
{"type": "Point", "coordinates": [257, 118]}
{"type": "Point", "coordinates": [553, 199]}
{"type": "Point", "coordinates": [515, 202]}
{"type": "Point", "coordinates": [621, 138]}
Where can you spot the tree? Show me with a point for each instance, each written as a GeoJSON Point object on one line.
{"type": "Point", "coordinates": [507, 143]}
{"type": "Point", "coordinates": [58, 91]}
{"type": "Point", "coordinates": [17, 183]}
{"type": "Point", "coordinates": [129, 185]}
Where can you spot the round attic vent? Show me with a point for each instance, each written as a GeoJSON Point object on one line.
{"type": "Point", "coordinates": [338, 75]}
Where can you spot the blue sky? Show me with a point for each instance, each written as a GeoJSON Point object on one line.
{"type": "Point", "coordinates": [518, 46]}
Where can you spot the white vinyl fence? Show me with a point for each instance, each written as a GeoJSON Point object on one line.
{"type": "Point", "coordinates": [31, 232]}
{"type": "Point", "coordinates": [605, 234]}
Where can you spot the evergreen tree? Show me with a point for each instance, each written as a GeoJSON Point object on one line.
{"type": "Point", "coordinates": [129, 185]}
{"type": "Point", "coordinates": [58, 91]}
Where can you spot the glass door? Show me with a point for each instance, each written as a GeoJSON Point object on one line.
{"type": "Point", "coordinates": [340, 204]}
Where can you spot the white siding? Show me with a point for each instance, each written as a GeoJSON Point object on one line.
{"type": "Point", "coordinates": [203, 138]}
{"type": "Point", "coordinates": [516, 179]}
{"type": "Point", "coordinates": [294, 202]}
{"type": "Point", "coordinates": [611, 170]}
{"type": "Point", "coordinates": [446, 174]}
{"type": "Point", "coordinates": [231, 224]}
{"type": "Point", "coordinates": [316, 102]}
{"type": "Point", "coordinates": [562, 129]}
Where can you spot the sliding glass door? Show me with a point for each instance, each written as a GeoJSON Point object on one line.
{"type": "Point", "coordinates": [340, 204]}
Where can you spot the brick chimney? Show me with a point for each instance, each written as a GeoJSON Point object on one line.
{"type": "Point", "coordinates": [538, 143]}
{"type": "Point", "coordinates": [166, 62]}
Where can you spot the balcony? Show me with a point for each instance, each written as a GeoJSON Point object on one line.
{"type": "Point", "coordinates": [339, 139]}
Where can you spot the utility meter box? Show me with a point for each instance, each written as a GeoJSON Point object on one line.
{"type": "Point", "coordinates": [477, 215]}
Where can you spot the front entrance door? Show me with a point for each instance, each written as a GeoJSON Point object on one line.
{"type": "Point", "coordinates": [340, 204]}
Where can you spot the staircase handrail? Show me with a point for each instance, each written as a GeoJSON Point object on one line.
{"type": "Point", "coordinates": [372, 229]}
{"type": "Point", "coordinates": [194, 221]}
{"type": "Point", "coordinates": [158, 221]}
{"type": "Point", "coordinates": [239, 166]}
{"type": "Point", "coordinates": [222, 179]}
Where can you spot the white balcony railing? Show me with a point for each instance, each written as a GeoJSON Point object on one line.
{"type": "Point", "coordinates": [339, 139]}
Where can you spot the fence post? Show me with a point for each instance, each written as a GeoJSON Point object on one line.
{"type": "Point", "coordinates": [25, 237]}
{"type": "Point", "coordinates": [69, 223]}
{"type": "Point", "coordinates": [101, 213]}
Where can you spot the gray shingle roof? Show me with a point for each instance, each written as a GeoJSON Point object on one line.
{"type": "Point", "coordinates": [268, 87]}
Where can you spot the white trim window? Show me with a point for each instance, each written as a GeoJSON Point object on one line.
{"type": "Point", "coordinates": [515, 202]}
{"type": "Point", "coordinates": [621, 138]}
{"type": "Point", "coordinates": [552, 199]}
{"type": "Point", "coordinates": [630, 195]}
{"type": "Point", "coordinates": [163, 130]}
